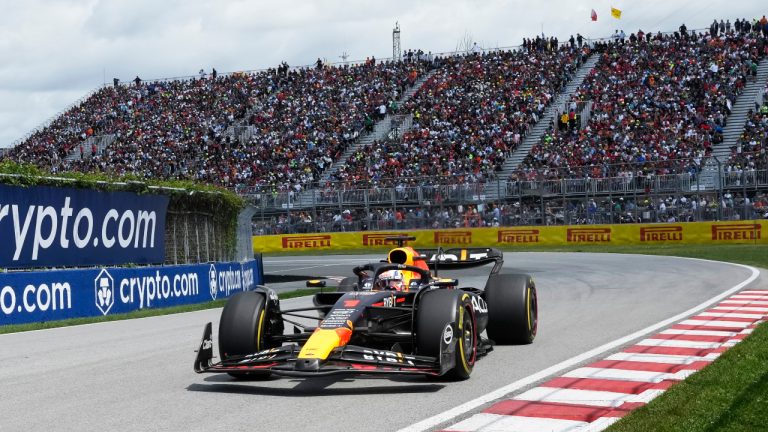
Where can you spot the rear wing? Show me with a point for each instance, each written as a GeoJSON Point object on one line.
{"type": "Point", "coordinates": [459, 258]}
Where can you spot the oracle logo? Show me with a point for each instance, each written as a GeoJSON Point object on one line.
{"type": "Point", "coordinates": [588, 235]}
{"type": "Point", "coordinates": [381, 239]}
{"type": "Point", "coordinates": [453, 237]}
{"type": "Point", "coordinates": [518, 236]}
{"type": "Point", "coordinates": [311, 242]}
{"type": "Point", "coordinates": [661, 233]}
{"type": "Point", "coordinates": [732, 232]}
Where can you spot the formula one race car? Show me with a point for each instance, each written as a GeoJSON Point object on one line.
{"type": "Point", "coordinates": [394, 317]}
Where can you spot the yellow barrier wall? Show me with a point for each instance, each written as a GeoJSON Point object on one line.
{"type": "Point", "coordinates": [670, 233]}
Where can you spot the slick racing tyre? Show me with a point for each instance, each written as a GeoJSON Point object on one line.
{"type": "Point", "coordinates": [348, 284]}
{"type": "Point", "coordinates": [442, 308]}
{"type": "Point", "coordinates": [242, 329]}
{"type": "Point", "coordinates": [512, 308]}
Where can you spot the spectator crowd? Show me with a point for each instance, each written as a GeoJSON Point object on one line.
{"type": "Point", "coordinates": [658, 105]}
{"type": "Point", "coordinates": [660, 102]}
{"type": "Point", "coordinates": [468, 117]}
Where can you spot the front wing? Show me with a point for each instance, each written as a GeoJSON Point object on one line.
{"type": "Point", "coordinates": [349, 359]}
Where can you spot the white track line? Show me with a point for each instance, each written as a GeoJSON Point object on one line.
{"type": "Point", "coordinates": [573, 361]}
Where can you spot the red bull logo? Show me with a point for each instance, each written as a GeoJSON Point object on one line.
{"type": "Point", "coordinates": [307, 242]}
{"type": "Point", "coordinates": [661, 233]}
{"type": "Point", "coordinates": [514, 236]}
{"type": "Point", "coordinates": [453, 237]}
{"type": "Point", "coordinates": [381, 239]}
{"type": "Point", "coordinates": [588, 235]}
{"type": "Point", "coordinates": [731, 232]}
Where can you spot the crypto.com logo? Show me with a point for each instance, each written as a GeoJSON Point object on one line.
{"type": "Point", "coordinates": [104, 290]}
{"type": "Point", "coordinates": [212, 281]}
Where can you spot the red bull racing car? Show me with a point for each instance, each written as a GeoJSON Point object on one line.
{"type": "Point", "coordinates": [394, 317]}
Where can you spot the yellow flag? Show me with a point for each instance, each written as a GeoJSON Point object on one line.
{"type": "Point", "coordinates": [615, 13]}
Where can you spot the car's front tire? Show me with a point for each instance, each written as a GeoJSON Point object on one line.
{"type": "Point", "coordinates": [242, 329]}
{"type": "Point", "coordinates": [439, 309]}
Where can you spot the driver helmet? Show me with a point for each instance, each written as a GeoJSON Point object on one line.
{"type": "Point", "coordinates": [391, 280]}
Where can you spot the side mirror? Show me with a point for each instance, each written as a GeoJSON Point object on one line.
{"type": "Point", "coordinates": [446, 283]}
{"type": "Point", "coordinates": [315, 283]}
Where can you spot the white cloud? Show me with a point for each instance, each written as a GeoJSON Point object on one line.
{"type": "Point", "coordinates": [55, 52]}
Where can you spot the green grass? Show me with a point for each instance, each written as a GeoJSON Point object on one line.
{"type": "Point", "coordinates": [731, 394]}
{"type": "Point", "coordinates": [143, 313]}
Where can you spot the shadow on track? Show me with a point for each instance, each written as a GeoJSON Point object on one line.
{"type": "Point", "coordinates": [319, 386]}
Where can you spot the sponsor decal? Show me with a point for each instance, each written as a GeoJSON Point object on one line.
{"type": "Point", "coordinates": [389, 357]}
{"type": "Point", "coordinates": [588, 235]}
{"type": "Point", "coordinates": [41, 296]}
{"type": "Point", "coordinates": [307, 242]}
{"type": "Point", "coordinates": [380, 239]}
{"type": "Point", "coordinates": [453, 237]}
{"type": "Point", "coordinates": [518, 236]}
{"type": "Point", "coordinates": [212, 281]}
{"type": "Point", "coordinates": [104, 288]}
{"type": "Point", "coordinates": [448, 334]}
{"type": "Point", "coordinates": [48, 226]}
{"type": "Point", "coordinates": [337, 318]}
{"type": "Point", "coordinates": [661, 233]}
{"type": "Point", "coordinates": [738, 231]}
{"type": "Point", "coordinates": [351, 303]}
{"type": "Point", "coordinates": [479, 304]}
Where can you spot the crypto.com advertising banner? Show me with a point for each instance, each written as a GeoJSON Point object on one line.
{"type": "Point", "coordinates": [55, 227]}
{"type": "Point", "coordinates": [61, 294]}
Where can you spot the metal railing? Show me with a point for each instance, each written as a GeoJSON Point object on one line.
{"type": "Point", "coordinates": [640, 193]}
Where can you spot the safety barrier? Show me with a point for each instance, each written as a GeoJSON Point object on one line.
{"type": "Point", "coordinates": [39, 296]}
{"type": "Point", "coordinates": [627, 234]}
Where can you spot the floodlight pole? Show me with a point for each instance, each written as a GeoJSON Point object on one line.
{"type": "Point", "coordinates": [396, 51]}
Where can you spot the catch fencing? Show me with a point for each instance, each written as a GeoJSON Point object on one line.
{"type": "Point", "coordinates": [672, 190]}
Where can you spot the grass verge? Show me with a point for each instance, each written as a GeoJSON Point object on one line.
{"type": "Point", "coordinates": [15, 328]}
{"type": "Point", "coordinates": [731, 394]}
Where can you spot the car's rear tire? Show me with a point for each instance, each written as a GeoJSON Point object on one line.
{"type": "Point", "coordinates": [348, 284]}
{"type": "Point", "coordinates": [513, 316]}
{"type": "Point", "coordinates": [242, 329]}
{"type": "Point", "coordinates": [438, 309]}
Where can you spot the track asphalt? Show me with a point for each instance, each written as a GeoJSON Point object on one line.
{"type": "Point", "coordinates": [137, 374]}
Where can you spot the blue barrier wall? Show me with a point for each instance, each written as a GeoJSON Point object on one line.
{"type": "Point", "coordinates": [44, 226]}
{"type": "Point", "coordinates": [60, 294]}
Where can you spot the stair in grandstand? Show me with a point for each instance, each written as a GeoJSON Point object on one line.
{"type": "Point", "coordinates": [380, 130]}
{"type": "Point", "coordinates": [492, 189]}
{"type": "Point", "coordinates": [397, 123]}
{"type": "Point", "coordinates": [99, 143]}
{"type": "Point", "coordinates": [753, 92]}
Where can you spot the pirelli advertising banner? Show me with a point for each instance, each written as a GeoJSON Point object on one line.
{"type": "Point", "coordinates": [743, 232]}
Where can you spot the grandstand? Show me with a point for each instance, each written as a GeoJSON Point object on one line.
{"type": "Point", "coordinates": [654, 127]}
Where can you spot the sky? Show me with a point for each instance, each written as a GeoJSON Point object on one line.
{"type": "Point", "coordinates": [55, 53]}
